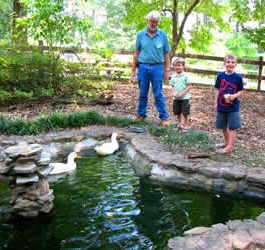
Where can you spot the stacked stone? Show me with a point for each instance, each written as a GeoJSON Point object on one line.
{"type": "Point", "coordinates": [26, 168]}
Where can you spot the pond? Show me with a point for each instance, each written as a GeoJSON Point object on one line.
{"type": "Point", "coordinates": [103, 205]}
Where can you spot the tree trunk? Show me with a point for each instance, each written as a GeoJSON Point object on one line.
{"type": "Point", "coordinates": [177, 35]}
{"type": "Point", "coordinates": [18, 11]}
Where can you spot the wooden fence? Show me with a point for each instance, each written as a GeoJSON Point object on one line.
{"type": "Point", "coordinates": [260, 63]}
{"type": "Point", "coordinates": [259, 77]}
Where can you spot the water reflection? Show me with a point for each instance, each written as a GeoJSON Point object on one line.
{"type": "Point", "coordinates": [103, 205]}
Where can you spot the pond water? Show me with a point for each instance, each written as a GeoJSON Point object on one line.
{"type": "Point", "coordinates": [103, 205]}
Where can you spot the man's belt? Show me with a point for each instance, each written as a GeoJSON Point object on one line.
{"type": "Point", "coordinates": [151, 63]}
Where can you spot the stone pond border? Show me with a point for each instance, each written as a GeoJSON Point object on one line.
{"type": "Point", "coordinates": [151, 158]}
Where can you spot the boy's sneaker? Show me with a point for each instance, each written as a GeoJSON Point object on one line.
{"type": "Point", "coordinates": [139, 118]}
{"type": "Point", "coordinates": [165, 122]}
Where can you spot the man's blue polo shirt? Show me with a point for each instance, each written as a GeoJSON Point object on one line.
{"type": "Point", "coordinates": [152, 48]}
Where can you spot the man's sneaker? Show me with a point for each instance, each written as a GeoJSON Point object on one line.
{"type": "Point", "coordinates": [165, 122]}
{"type": "Point", "coordinates": [140, 118]}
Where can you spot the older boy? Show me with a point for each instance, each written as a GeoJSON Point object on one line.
{"type": "Point", "coordinates": [229, 87]}
{"type": "Point", "coordinates": [181, 87]}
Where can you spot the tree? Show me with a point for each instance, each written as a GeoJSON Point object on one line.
{"type": "Point", "coordinates": [250, 15]}
{"type": "Point", "coordinates": [178, 12]}
{"type": "Point", "coordinates": [240, 45]}
{"type": "Point", "coordinates": [19, 32]}
{"type": "Point", "coordinates": [256, 35]}
{"type": "Point", "coordinates": [5, 18]}
{"type": "Point", "coordinates": [48, 21]}
{"type": "Point", "coordinates": [106, 24]}
{"type": "Point", "coordinates": [177, 31]}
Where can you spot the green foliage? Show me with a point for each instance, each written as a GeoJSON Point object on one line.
{"type": "Point", "coordinates": [186, 139]}
{"type": "Point", "coordinates": [26, 74]}
{"type": "Point", "coordinates": [89, 94]}
{"type": "Point", "coordinates": [118, 35]}
{"type": "Point", "coordinates": [102, 68]}
{"type": "Point", "coordinates": [201, 34]}
{"type": "Point", "coordinates": [14, 126]}
{"type": "Point", "coordinates": [58, 121]}
{"type": "Point", "coordinates": [5, 19]}
{"type": "Point", "coordinates": [5, 95]}
{"type": "Point", "coordinates": [116, 121]}
{"type": "Point", "coordinates": [256, 36]}
{"type": "Point", "coordinates": [241, 46]}
{"type": "Point", "coordinates": [156, 130]}
{"type": "Point", "coordinates": [47, 20]}
{"type": "Point", "coordinates": [136, 12]}
{"type": "Point", "coordinates": [243, 12]}
{"type": "Point", "coordinates": [102, 52]}
{"type": "Point", "coordinates": [201, 38]}
{"type": "Point", "coordinates": [55, 121]}
{"type": "Point", "coordinates": [214, 14]}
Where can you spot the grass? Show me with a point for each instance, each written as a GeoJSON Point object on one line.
{"type": "Point", "coordinates": [56, 121]}
{"type": "Point", "coordinates": [243, 156]}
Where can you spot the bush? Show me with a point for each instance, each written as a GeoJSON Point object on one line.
{"type": "Point", "coordinates": [24, 71]}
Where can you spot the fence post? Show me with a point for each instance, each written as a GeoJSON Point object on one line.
{"type": "Point", "coordinates": [260, 71]}
{"type": "Point", "coordinates": [41, 45]}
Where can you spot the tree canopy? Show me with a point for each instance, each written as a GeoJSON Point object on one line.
{"type": "Point", "coordinates": [47, 20]}
{"type": "Point", "coordinates": [5, 19]}
{"type": "Point", "coordinates": [190, 24]}
{"type": "Point", "coordinates": [202, 17]}
{"type": "Point", "coordinates": [250, 15]}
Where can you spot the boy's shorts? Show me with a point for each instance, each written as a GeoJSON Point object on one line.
{"type": "Point", "coordinates": [230, 120]}
{"type": "Point", "coordinates": [181, 107]}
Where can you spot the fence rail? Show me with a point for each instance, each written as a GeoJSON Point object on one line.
{"type": "Point", "coordinates": [259, 77]}
{"type": "Point", "coordinates": [260, 63]}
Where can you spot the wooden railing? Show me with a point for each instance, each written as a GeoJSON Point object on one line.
{"type": "Point", "coordinates": [260, 63]}
{"type": "Point", "coordinates": [259, 77]}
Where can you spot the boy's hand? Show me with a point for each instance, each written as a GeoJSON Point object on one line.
{"type": "Point", "coordinates": [231, 97]}
{"type": "Point", "coordinates": [179, 96]}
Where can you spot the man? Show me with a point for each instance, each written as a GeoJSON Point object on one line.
{"type": "Point", "coordinates": [152, 56]}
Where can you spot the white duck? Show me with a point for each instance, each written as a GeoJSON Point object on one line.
{"type": "Point", "coordinates": [59, 168]}
{"type": "Point", "coordinates": [109, 147]}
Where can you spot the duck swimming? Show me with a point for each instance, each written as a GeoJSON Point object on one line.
{"type": "Point", "coordinates": [109, 147]}
{"type": "Point", "coordinates": [59, 168]}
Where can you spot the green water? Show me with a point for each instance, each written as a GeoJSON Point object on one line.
{"type": "Point", "coordinates": [103, 205]}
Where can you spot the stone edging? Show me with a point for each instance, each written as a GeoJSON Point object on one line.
{"type": "Point", "coordinates": [149, 157]}
{"type": "Point", "coordinates": [246, 234]}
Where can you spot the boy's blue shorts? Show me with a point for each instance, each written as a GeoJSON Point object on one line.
{"type": "Point", "coordinates": [230, 120]}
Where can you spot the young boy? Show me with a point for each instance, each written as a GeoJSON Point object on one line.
{"type": "Point", "coordinates": [181, 87]}
{"type": "Point", "coordinates": [229, 87]}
